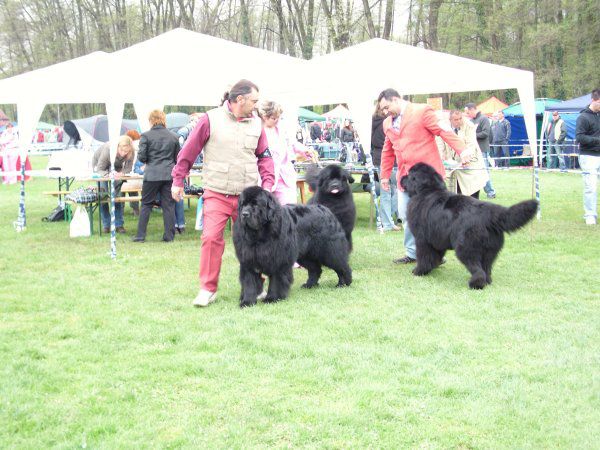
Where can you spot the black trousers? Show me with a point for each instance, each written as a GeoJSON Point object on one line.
{"type": "Point", "coordinates": [150, 189]}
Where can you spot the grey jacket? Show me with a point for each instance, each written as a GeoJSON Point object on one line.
{"type": "Point", "coordinates": [550, 132]}
{"type": "Point", "coordinates": [483, 131]}
{"type": "Point", "coordinates": [101, 161]}
{"type": "Point", "coordinates": [159, 148]}
{"type": "Point", "coordinates": [500, 132]}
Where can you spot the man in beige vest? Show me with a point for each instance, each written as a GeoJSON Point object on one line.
{"type": "Point", "coordinates": [236, 156]}
{"type": "Point", "coordinates": [472, 177]}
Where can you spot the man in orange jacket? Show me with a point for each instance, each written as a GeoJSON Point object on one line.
{"type": "Point", "coordinates": [410, 131]}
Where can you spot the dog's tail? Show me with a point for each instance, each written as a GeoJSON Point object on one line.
{"type": "Point", "coordinates": [518, 215]}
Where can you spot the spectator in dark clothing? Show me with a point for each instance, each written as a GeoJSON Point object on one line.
{"type": "Point", "coordinates": [158, 151]}
{"type": "Point", "coordinates": [499, 139]}
{"type": "Point", "coordinates": [347, 133]}
{"type": "Point", "coordinates": [315, 131]}
{"type": "Point", "coordinates": [587, 133]}
{"type": "Point", "coordinates": [388, 200]}
{"type": "Point", "coordinates": [483, 132]}
{"type": "Point", "coordinates": [377, 138]}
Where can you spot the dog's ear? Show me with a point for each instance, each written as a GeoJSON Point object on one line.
{"type": "Point", "coordinates": [271, 207]}
{"type": "Point", "coordinates": [404, 182]}
{"type": "Point", "coordinates": [241, 201]}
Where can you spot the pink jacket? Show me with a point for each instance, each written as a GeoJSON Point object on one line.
{"type": "Point", "coordinates": [283, 156]}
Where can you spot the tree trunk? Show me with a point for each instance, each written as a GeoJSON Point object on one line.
{"type": "Point", "coordinates": [369, 19]}
{"type": "Point", "coordinates": [389, 19]}
{"type": "Point", "coordinates": [245, 19]}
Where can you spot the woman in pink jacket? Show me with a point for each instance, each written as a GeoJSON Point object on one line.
{"type": "Point", "coordinates": [282, 153]}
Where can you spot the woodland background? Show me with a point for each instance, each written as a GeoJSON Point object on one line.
{"type": "Point", "coordinates": [557, 39]}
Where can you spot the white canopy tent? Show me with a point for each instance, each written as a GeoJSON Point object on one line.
{"type": "Point", "coordinates": [339, 112]}
{"type": "Point", "coordinates": [179, 67]}
{"type": "Point", "coordinates": [80, 80]}
{"type": "Point", "coordinates": [182, 67]}
{"type": "Point", "coordinates": [366, 69]}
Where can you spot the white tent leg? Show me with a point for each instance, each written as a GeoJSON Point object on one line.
{"type": "Point", "coordinates": [114, 111]}
{"type": "Point", "coordinates": [526, 95]}
{"type": "Point", "coordinates": [28, 115]}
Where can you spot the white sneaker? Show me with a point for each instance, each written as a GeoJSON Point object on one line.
{"type": "Point", "coordinates": [204, 298]}
{"type": "Point", "coordinates": [590, 220]}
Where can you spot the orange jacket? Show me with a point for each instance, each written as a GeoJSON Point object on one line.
{"type": "Point", "coordinates": [415, 141]}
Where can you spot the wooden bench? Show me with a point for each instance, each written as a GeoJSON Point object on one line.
{"type": "Point", "coordinates": [56, 193]}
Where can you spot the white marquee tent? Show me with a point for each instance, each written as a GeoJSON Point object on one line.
{"type": "Point", "coordinates": [358, 74]}
{"type": "Point", "coordinates": [182, 67]}
{"type": "Point", "coordinates": [188, 68]}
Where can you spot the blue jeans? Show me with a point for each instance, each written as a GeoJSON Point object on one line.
{"type": "Point", "coordinates": [179, 215]}
{"type": "Point", "coordinates": [388, 202]}
{"type": "Point", "coordinates": [488, 188]}
{"type": "Point", "coordinates": [552, 162]}
{"type": "Point", "coordinates": [590, 169]}
{"type": "Point", "coordinates": [410, 245]}
{"type": "Point", "coordinates": [105, 211]}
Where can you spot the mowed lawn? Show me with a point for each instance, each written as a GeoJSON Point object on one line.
{"type": "Point", "coordinates": [99, 353]}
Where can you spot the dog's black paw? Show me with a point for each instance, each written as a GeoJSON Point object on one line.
{"type": "Point", "coordinates": [309, 285]}
{"type": "Point", "coordinates": [477, 284]}
{"type": "Point", "coordinates": [272, 299]}
{"type": "Point", "coordinates": [247, 303]}
{"type": "Point", "coordinates": [418, 272]}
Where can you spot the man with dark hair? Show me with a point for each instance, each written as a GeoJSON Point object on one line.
{"type": "Point", "coordinates": [236, 156]}
{"type": "Point", "coordinates": [483, 132]}
{"type": "Point", "coordinates": [410, 131]}
{"type": "Point", "coordinates": [587, 133]}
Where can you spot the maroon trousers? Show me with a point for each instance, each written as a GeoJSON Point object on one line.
{"type": "Point", "coordinates": [218, 208]}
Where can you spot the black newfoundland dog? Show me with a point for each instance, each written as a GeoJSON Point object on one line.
{"type": "Point", "coordinates": [443, 221]}
{"type": "Point", "coordinates": [269, 238]}
{"type": "Point", "coordinates": [331, 187]}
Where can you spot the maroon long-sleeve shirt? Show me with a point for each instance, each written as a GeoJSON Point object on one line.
{"type": "Point", "coordinates": [195, 144]}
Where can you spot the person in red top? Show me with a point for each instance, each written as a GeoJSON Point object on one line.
{"type": "Point", "coordinates": [236, 156]}
{"type": "Point", "coordinates": [410, 131]}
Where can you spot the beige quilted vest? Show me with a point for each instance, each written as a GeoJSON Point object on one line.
{"type": "Point", "coordinates": [229, 160]}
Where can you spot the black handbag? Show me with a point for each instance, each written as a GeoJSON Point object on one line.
{"type": "Point", "coordinates": [56, 215]}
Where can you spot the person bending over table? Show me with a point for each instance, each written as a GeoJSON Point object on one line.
{"type": "Point", "coordinates": [123, 164]}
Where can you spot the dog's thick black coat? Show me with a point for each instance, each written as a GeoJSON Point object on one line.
{"type": "Point", "coordinates": [331, 187]}
{"type": "Point", "coordinates": [269, 238]}
{"type": "Point", "coordinates": [441, 220]}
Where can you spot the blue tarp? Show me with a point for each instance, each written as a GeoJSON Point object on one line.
{"type": "Point", "coordinates": [540, 105]}
{"type": "Point", "coordinates": [572, 105]}
{"type": "Point", "coordinates": [519, 134]}
{"type": "Point", "coordinates": [569, 111]}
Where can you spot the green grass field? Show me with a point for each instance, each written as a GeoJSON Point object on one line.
{"type": "Point", "coordinates": [110, 354]}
